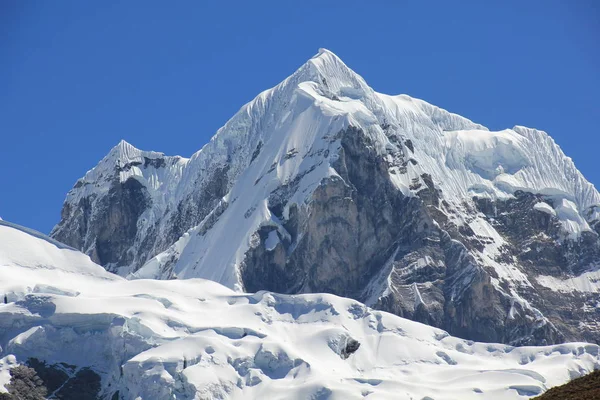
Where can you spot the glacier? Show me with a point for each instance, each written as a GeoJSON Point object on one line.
{"type": "Point", "coordinates": [197, 339]}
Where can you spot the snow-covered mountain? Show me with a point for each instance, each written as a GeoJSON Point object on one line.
{"type": "Point", "coordinates": [321, 184]}
{"type": "Point", "coordinates": [76, 323]}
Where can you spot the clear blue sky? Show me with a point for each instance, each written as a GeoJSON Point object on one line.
{"type": "Point", "coordinates": [78, 76]}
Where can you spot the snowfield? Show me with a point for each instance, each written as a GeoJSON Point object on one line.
{"type": "Point", "coordinates": [197, 339]}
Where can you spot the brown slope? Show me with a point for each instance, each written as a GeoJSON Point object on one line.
{"type": "Point", "coordinates": [585, 388]}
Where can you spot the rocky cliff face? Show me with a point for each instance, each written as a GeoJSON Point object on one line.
{"type": "Point", "coordinates": [323, 185]}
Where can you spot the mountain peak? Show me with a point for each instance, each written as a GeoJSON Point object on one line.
{"type": "Point", "coordinates": [123, 150]}
{"type": "Point", "coordinates": [327, 62]}
{"type": "Point", "coordinates": [327, 56]}
{"type": "Point", "coordinates": [326, 69]}
{"type": "Point", "coordinates": [322, 170]}
{"type": "Point", "coordinates": [123, 144]}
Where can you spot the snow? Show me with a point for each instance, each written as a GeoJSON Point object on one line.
{"type": "Point", "coordinates": [37, 234]}
{"type": "Point", "coordinates": [488, 154]}
{"type": "Point", "coordinates": [272, 241]}
{"type": "Point", "coordinates": [183, 339]}
{"type": "Point", "coordinates": [6, 363]}
{"type": "Point", "coordinates": [568, 214]}
{"type": "Point", "coordinates": [131, 164]}
{"type": "Point", "coordinates": [545, 208]}
{"type": "Point", "coordinates": [40, 255]}
{"type": "Point", "coordinates": [496, 164]}
{"type": "Point", "coordinates": [588, 282]}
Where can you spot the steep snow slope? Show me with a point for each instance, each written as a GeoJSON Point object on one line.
{"type": "Point", "coordinates": [185, 339]}
{"type": "Point", "coordinates": [320, 184]}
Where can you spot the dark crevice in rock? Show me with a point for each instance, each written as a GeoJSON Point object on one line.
{"type": "Point", "coordinates": [350, 348]}
{"type": "Point", "coordinates": [256, 151]}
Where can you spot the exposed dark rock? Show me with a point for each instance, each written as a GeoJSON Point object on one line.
{"type": "Point", "coordinates": [74, 223]}
{"type": "Point", "coordinates": [350, 348]}
{"type": "Point", "coordinates": [107, 228]}
{"type": "Point", "coordinates": [536, 242]}
{"type": "Point", "coordinates": [85, 385]}
{"type": "Point", "coordinates": [335, 245]}
{"type": "Point", "coordinates": [125, 203]}
{"type": "Point", "coordinates": [67, 382]}
{"type": "Point", "coordinates": [290, 154]}
{"type": "Point", "coordinates": [269, 265]}
{"type": "Point", "coordinates": [128, 166]}
{"type": "Point", "coordinates": [211, 219]}
{"type": "Point", "coordinates": [193, 210]}
{"type": "Point", "coordinates": [53, 377]}
{"type": "Point", "coordinates": [256, 151]}
{"type": "Point", "coordinates": [154, 162]}
{"type": "Point", "coordinates": [25, 384]}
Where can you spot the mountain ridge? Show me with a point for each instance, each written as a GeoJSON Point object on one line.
{"type": "Point", "coordinates": [321, 184]}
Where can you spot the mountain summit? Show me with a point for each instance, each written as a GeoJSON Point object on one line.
{"type": "Point", "coordinates": [321, 184]}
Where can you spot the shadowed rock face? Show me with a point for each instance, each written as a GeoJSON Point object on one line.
{"type": "Point", "coordinates": [106, 229]}
{"type": "Point", "coordinates": [349, 348]}
{"type": "Point", "coordinates": [343, 237]}
{"type": "Point", "coordinates": [191, 211]}
{"type": "Point", "coordinates": [358, 227]}
{"type": "Point", "coordinates": [58, 381]}
{"type": "Point", "coordinates": [534, 240]}
{"type": "Point", "coordinates": [124, 205]}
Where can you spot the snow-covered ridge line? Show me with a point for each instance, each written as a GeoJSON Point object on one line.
{"type": "Point", "coordinates": [583, 192]}
{"type": "Point", "coordinates": [37, 234]}
{"type": "Point", "coordinates": [42, 257]}
{"type": "Point", "coordinates": [561, 178]}
{"type": "Point", "coordinates": [129, 162]}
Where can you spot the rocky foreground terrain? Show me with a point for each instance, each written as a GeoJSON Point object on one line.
{"type": "Point", "coordinates": [585, 388]}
